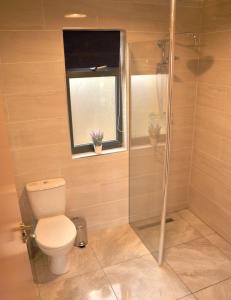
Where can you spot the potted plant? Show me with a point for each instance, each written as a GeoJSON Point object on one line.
{"type": "Point", "coordinates": [97, 139]}
{"type": "Point", "coordinates": [154, 133]}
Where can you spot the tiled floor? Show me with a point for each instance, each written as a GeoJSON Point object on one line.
{"type": "Point", "coordinates": [116, 266]}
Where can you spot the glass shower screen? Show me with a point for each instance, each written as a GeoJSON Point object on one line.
{"type": "Point", "coordinates": [149, 79]}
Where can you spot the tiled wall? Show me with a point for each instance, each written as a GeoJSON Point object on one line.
{"type": "Point", "coordinates": [210, 193]}
{"type": "Point", "coordinates": [188, 20]}
{"type": "Point", "coordinates": [12, 250]}
{"type": "Point", "coordinates": [146, 173]}
{"type": "Point", "coordinates": [33, 81]}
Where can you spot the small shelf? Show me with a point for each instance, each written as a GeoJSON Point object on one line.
{"type": "Point", "coordinates": [104, 152]}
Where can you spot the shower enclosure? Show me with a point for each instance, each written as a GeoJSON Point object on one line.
{"type": "Point", "coordinates": [161, 116]}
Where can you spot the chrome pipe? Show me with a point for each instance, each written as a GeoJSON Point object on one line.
{"type": "Point", "coordinates": [169, 121]}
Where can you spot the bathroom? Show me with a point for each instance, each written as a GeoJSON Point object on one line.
{"type": "Point", "coordinates": [156, 197]}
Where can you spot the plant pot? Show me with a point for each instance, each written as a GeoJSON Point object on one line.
{"type": "Point", "coordinates": [98, 149]}
{"type": "Point", "coordinates": [153, 141]}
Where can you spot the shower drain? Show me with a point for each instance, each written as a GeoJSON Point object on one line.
{"type": "Point", "coordinates": [168, 220]}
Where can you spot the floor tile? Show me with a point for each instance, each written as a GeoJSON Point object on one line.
{"type": "Point", "coordinates": [189, 297]}
{"type": "Point", "coordinates": [82, 261]}
{"type": "Point", "coordinates": [195, 222]}
{"type": "Point", "coordinates": [198, 263]}
{"type": "Point", "coordinates": [177, 232]}
{"type": "Point", "coordinates": [220, 291]}
{"type": "Point", "coordinates": [220, 243]}
{"type": "Point", "coordinates": [142, 279]}
{"type": "Point", "coordinates": [116, 245]}
{"type": "Point", "coordinates": [90, 286]}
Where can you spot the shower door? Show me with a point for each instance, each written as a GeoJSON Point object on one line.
{"type": "Point", "coordinates": [149, 78]}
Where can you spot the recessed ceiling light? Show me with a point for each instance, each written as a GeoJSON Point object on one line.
{"type": "Point", "coordinates": [72, 16]}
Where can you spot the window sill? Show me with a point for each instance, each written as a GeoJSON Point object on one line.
{"type": "Point", "coordinates": [104, 152]}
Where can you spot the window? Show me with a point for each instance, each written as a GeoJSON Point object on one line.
{"type": "Point", "coordinates": [94, 86]}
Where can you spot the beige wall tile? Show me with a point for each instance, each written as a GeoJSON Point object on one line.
{"type": "Point", "coordinates": [214, 96]}
{"type": "Point", "coordinates": [185, 69]}
{"type": "Point", "coordinates": [179, 178]}
{"type": "Point", "coordinates": [143, 17]}
{"type": "Point", "coordinates": [180, 159]}
{"type": "Point", "coordinates": [183, 116]}
{"type": "Point", "coordinates": [31, 46]}
{"type": "Point", "coordinates": [32, 107]}
{"type": "Point", "coordinates": [92, 194]}
{"type": "Point", "coordinates": [145, 184]}
{"type": "Point", "coordinates": [214, 121]}
{"type": "Point", "coordinates": [177, 198]}
{"type": "Point", "coordinates": [37, 133]}
{"type": "Point", "coordinates": [36, 158]}
{"type": "Point", "coordinates": [226, 152]}
{"type": "Point", "coordinates": [208, 142]}
{"type": "Point", "coordinates": [217, 17]}
{"type": "Point", "coordinates": [33, 78]}
{"type": "Point", "coordinates": [144, 36]}
{"type": "Point", "coordinates": [55, 11]}
{"type": "Point", "coordinates": [184, 93]}
{"type": "Point", "coordinates": [211, 44]}
{"type": "Point", "coordinates": [210, 68]}
{"type": "Point", "coordinates": [3, 115]}
{"type": "Point", "coordinates": [34, 88]}
{"type": "Point", "coordinates": [14, 14]}
{"type": "Point", "coordinates": [211, 188]}
{"type": "Point", "coordinates": [146, 161]}
{"type": "Point", "coordinates": [103, 215]}
{"type": "Point", "coordinates": [185, 18]}
{"type": "Point", "coordinates": [181, 137]}
{"type": "Point", "coordinates": [34, 175]}
{"type": "Point", "coordinates": [213, 167]}
{"type": "Point", "coordinates": [208, 211]}
{"type": "Point", "coordinates": [96, 169]}
{"type": "Point", "coordinates": [146, 205]}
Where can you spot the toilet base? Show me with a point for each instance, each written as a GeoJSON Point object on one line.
{"type": "Point", "coordinates": [59, 264]}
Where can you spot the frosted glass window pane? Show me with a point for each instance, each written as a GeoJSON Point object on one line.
{"type": "Point", "coordinates": [93, 105]}
{"type": "Point", "coordinates": [149, 95]}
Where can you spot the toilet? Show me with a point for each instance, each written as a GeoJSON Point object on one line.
{"type": "Point", "coordinates": [54, 233]}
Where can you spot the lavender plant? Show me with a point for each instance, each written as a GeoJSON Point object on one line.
{"type": "Point", "coordinates": [97, 137]}
{"type": "Point", "coordinates": [154, 130]}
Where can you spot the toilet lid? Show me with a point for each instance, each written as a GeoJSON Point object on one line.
{"type": "Point", "coordinates": [55, 232]}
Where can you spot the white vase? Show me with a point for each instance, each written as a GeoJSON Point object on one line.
{"type": "Point", "coordinates": [153, 141]}
{"type": "Point", "coordinates": [98, 149]}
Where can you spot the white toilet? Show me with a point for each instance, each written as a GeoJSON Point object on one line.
{"type": "Point", "coordinates": [55, 233]}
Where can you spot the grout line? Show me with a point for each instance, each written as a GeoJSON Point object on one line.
{"type": "Point", "coordinates": [211, 285]}
{"type": "Point", "coordinates": [193, 292]}
{"type": "Point", "coordinates": [187, 288]}
{"type": "Point", "coordinates": [109, 282]}
{"type": "Point", "coordinates": [217, 247]}
{"type": "Point", "coordinates": [105, 275]}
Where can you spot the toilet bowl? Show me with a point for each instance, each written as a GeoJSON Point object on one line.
{"type": "Point", "coordinates": [54, 233]}
{"type": "Point", "coordinates": [55, 237]}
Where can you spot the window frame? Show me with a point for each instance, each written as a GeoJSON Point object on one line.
{"type": "Point", "coordinates": [110, 144]}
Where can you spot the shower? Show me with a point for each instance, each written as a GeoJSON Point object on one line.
{"type": "Point", "coordinates": [163, 44]}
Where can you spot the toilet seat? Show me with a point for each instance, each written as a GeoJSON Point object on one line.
{"type": "Point", "coordinates": [55, 232]}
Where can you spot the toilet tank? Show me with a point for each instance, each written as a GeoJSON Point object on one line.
{"type": "Point", "coordinates": [47, 197]}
